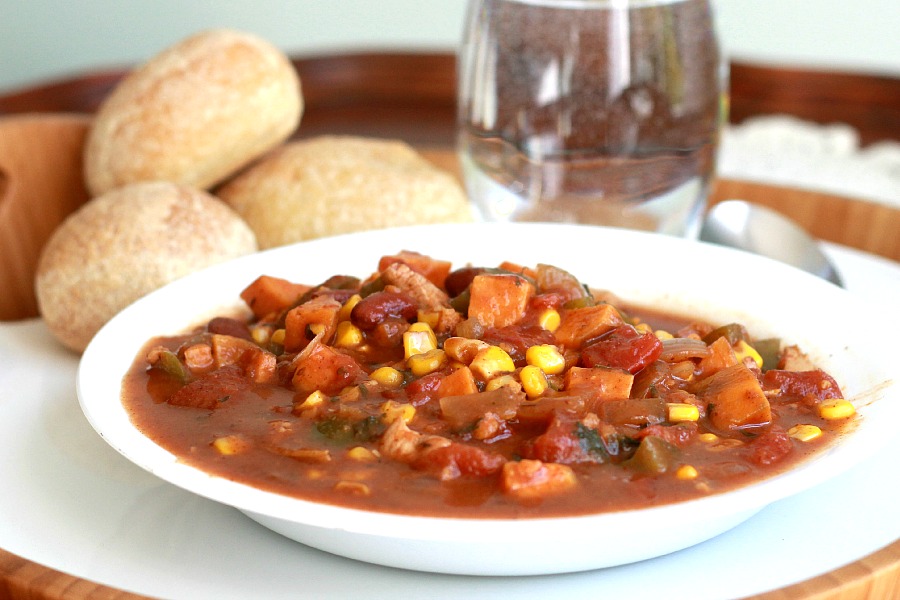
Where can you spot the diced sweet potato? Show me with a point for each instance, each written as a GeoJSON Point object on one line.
{"type": "Point", "coordinates": [434, 270]}
{"type": "Point", "coordinates": [582, 324]}
{"type": "Point", "coordinates": [320, 367]}
{"type": "Point", "coordinates": [721, 356]}
{"type": "Point", "coordinates": [499, 300]}
{"type": "Point", "coordinates": [735, 398]}
{"type": "Point", "coordinates": [320, 311]}
{"type": "Point", "coordinates": [458, 383]}
{"type": "Point", "coordinates": [600, 382]}
{"type": "Point", "coordinates": [530, 479]}
{"type": "Point", "coordinates": [268, 295]}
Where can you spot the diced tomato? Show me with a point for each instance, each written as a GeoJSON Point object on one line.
{"type": "Point", "coordinates": [424, 389]}
{"type": "Point", "coordinates": [212, 389]}
{"type": "Point", "coordinates": [546, 300]}
{"type": "Point", "coordinates": [560, 443]}
{"type": "Point", "coordinates": [677, 435]}
{"type": "Point", "coordinates": [624, 348]}
{"type": "Point", "coordinates": [802, 384]}
{"type": "Point", "coordinates": [770, 447]}
{"type": "Point", "coordinates": [458, 459]}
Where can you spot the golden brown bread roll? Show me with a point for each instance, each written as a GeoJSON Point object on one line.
{"type": "Point", "coordinates": [330, 185]}
{"type": "Point", "coordinates": [194, 114]}
{"type": "Point", "coordinates": [125, 244]}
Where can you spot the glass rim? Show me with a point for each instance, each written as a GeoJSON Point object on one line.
{"type": "Point", "coordinates": [592, 3]}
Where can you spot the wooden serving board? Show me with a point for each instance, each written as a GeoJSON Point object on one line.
{"type": "Point", "coordinates": [405, 96]}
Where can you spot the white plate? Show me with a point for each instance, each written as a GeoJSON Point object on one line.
{"type": "Point", "coordinates": [769, 297]}
{"type": "Point", "coordinates": [73, 504]}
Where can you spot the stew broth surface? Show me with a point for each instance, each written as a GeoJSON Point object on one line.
{"type": "Point", "coordinates": [234, 399]}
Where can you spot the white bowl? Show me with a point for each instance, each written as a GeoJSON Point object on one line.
{"type": "Point", "coordinates": [837, 329]}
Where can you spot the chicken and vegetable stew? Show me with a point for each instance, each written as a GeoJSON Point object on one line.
{"type": "Point", "coordinates": [494, 391]}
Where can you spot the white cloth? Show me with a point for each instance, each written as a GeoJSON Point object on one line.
{"type": "Point", "coordinates": [784, 150]}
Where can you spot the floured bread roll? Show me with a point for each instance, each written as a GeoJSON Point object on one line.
{"type": "Point", "coordinates": [126, 243]}
{"type": "Point", "coordinates": [194, 114]}
{"type": "Point", "coordinates": [330, 185]}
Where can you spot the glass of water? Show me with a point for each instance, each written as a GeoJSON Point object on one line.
{"type": "Point", "coordinates": [591, 111]}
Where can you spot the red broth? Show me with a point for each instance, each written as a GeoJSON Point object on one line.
{"type": "Point", "coordinates": [478, 392]}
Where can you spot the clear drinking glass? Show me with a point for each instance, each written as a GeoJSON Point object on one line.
{"type": "Point", "coordinates": [591, 111]}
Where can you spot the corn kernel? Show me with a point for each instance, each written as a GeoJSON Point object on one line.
{"type": "Point", "coordinates": [463, 349]}
{"type": "Point", "coordinates": [230, 444]}
{"type": "Point", "coordinates": [424, 327]}
{"type": "Point", "coordinates": [418, 339]}
{"type": "Point", "coordinates": [260, 335]}
{"type": "Point", "coordinates": [549, 319]}
{"type": "Point", "coordinates": [678, 412]}
{"type": "Point", "coordinates": [277, 336]}
{"type": "Point", "coordinates": [491, 362]}
{"type": "Point", "coordinates": [429, 362]}
{"type": "Point", "coordinates": [547, 358]}
{"type": "Point", "coordinates": [347, 308]}
{"type": "Point", "coordinates": [709, 438]}
{"type": "Point", "coordinates": [805, 433]}
{"type": "Point", "coordinates": [534, 382]}
{"type": "Point", "coordinates": [501, 381]}
{"type": "Point", "coordinates": [429, 317]}
{"type": "Point", "coordinates": [832, 410]}
{"type": "Point", "coordinates": [362, 454]}
{"type": "Point", "coordinates": [313, 400]}
{"type": "Point", "coordinates": [387, 376]}
{"type": "Point", "coordinates": [686, 472]}
{"type": "Point", "coordinates": [354, 488]}
{"type": "Point", "coordinates": [393, 410]}
{"type": "Point", "coordinates": [316, 328]}
{"type": "Point", "coordinates": [662, 334]}
{"type": "Point", "coordinates": [351, 393]}
{"type": "Point", "coordinates": [643, 328]}
{"type": "Point", "coordinates": [743, 350]}
{"type": "Point", "coordinates": [348, 335]}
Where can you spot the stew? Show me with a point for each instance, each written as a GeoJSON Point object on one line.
{"type": "Point", "coordinates": [504, 391]}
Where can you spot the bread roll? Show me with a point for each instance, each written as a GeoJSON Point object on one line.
{"type": "Point", "coordinates": [125, 244]}
{"type": "Point", "coordinates": [194, 114]}
{"type": "Point", "coordinates": [337, 184]}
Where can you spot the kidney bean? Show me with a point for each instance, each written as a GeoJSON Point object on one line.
{"type": "Point", "coordinates": [229, 326]}
{"type": "Point", "coordinates": [380, 306]}
{"type": "Point", "coordinates": [457, 281]}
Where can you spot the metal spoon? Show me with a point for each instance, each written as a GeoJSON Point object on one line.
{"type": "Point", "coordinates": [760, 230]}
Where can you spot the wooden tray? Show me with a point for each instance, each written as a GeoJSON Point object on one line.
{"type": "Point", "coordinates": [410, 97]}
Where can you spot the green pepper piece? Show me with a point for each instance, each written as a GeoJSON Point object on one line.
{"type": "Point", "coordinates": [376, 285]}
{"type": "Point", "coordinates": [733, 332]}
{"type": "Point", "coordinates": [461, 303]}
{"type": "Point", "coordinates": [169, 364]}
{"type": "Point", "coordinates": [770, 352]}
{"type": "Point", "coordinates": [654, 456]}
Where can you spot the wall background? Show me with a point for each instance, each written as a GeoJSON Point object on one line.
{"type": "Point", "coordinates": [45, 39]}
